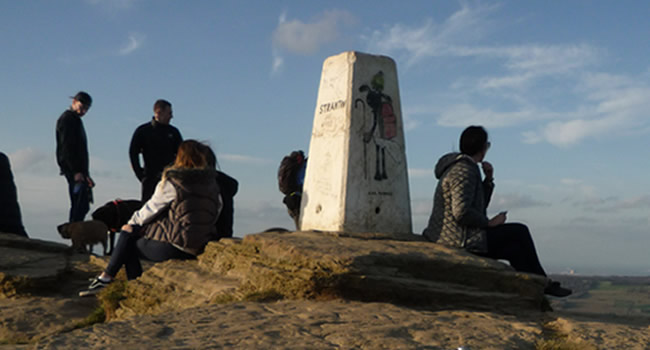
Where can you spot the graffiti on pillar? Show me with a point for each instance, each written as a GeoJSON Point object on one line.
{"type": "Point", "coordinates": [384, 122]}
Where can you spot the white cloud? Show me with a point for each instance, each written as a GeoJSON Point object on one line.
{"type": "Point", "coordinates": [434, 40]}
{"type": "Point", "coordinates": [514, 201]}
{"type": "Point", "coordinates": [639, 202]}
{"type": "Point", "coordinates": [613, 105]}
{"type": "Point", "coordinates": [465, 114]}
{"type": "Point", "coordinates": [239, 158]}
{"type": "Point", "coordinates": [420, 173]}
{"type": "Point", "coordinates": [299, 37]}
{"type": "Point", "coordinates": [571, 182]}
{"type": "Point", "coordinates": [459, 35]}
{"type": "Point", "coordinates": [134, 42]}
{"type": "Point", "coordinates": [278, 62]}
{"type": "Point", "coordinates": [30, 160]}
{"type": "Point", "coordinates": [524, 79]}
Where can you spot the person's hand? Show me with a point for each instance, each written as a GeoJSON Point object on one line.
{"type": "Point", "coordinates": [500, 219]}
{"type": "Point", "coordinates": [488, 170]}
{"type": "Point", "coordinates": [127, 228]}
{"type": "Point", "coordinates": [90, 181]}
{"type": "Point", "coordinates": [78, 177]}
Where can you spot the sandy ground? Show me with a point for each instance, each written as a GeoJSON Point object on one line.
{"type": "Point", "coordinates": [346, 325]}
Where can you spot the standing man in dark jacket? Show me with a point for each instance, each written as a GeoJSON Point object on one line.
{"type": "Point", "coordinates": [158, 142]}
{"type": "Point", "coordinates": [72, 155]}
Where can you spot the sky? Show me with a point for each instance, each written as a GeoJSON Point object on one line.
{"type": "Point", "coordinates": [563, 88]}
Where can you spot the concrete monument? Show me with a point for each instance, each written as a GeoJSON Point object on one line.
{"type": "Point", "coordinates": [357, 179]}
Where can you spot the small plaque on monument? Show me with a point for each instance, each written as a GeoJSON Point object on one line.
{"type": "Point", "coordinates": [357, 179]}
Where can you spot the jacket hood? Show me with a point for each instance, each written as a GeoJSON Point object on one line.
{"type": "Point", "coordinates": [191, 175]}
{"type": "Point", "coordinates": [448, 160]}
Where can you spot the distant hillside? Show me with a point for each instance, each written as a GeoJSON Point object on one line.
{"type": "Point", "coordinates": [612, 295]}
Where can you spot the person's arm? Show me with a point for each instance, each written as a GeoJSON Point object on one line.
{"type": "Point", "coordinates": [488, 182]}
{"type": "Point", "coordinates": [164, 194]}
{"type": "Point", "coordinates": [134, 154]}
{"type": "Point", "coordinates": [463, 187]}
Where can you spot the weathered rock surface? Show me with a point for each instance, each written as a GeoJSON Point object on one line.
{"type": "Point", "coordinates": [39, 281]}
{"type": "Point", "coordinates": [29, 264]}
{"type": "Point", "coordinates": [338, 324]}
{"type": "Point", "coordinates": [314, 273]}
{"type": "Point", "coordinates": [304, 324]}
{"type": "Point", "coordinates": [321, 266]}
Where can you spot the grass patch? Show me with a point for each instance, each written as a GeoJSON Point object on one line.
{"type": "Point", "coordinates": [608, 285]}
{"type": "Point", "coordinates": [263, 296]}
{"type": "Point", "coordinates": [110, 298]}
{"type": "Point", "coordinates": [224, 299]}
{"type": "Point", "coordinates": [97, 316]}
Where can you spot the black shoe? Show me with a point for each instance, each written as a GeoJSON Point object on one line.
{"type": "Point", "coordinates": [96, 286]}
{"type": "Point", "coordinates": [554, 289]}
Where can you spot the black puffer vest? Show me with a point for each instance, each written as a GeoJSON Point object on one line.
{"type": "Point", "coordinates": [189, 221]}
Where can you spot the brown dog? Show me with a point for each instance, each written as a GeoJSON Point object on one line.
{"type": "Point", "coordinates": [84, 233]}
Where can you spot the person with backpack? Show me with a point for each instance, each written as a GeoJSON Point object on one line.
{"type": "Point", "coordinates": [291, 177]}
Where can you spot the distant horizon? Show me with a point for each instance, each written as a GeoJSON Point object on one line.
{"type": "Point", "coordinates": [577, 271]}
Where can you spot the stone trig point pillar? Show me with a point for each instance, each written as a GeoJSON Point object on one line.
{"type": "Point", "coordinates": [357, 179]}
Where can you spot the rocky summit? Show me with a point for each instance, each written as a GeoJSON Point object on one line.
{"type": "Point", "coordinates": [322, 266]}
{"type": "Point", "coordinates": [290, 290]}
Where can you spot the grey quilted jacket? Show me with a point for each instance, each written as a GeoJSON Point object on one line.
{"type": "Point", "coordinates": [459, 215]}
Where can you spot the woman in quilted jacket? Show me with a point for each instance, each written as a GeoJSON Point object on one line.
{"type": "Point", "coordinates": [459, 217]}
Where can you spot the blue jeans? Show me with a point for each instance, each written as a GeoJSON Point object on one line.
{"type": "Point", "coordinates": [130, 247]}
{"type": "Point", "coordinates": [79, 199]}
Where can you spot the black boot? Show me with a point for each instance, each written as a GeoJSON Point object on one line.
{"type": "Point", "coordinates": [553, 288]}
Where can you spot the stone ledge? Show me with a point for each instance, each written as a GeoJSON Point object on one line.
{"type": "Point", "coordinates": [313, 265]}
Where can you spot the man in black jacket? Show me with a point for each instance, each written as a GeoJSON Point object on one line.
{"type": "Point", "coordinates": [72, 155]}
{"type": "Point", "coordinates": [158, 142]}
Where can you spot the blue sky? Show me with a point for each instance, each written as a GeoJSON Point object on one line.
{"type": "Point", "coordinates": [562, 87]}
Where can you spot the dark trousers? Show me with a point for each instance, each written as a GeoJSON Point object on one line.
{"type": "Point", "coordinates": [130, 247]}
{"type": "Point", "coordinates": [513, 242]}
{"type": "Point", "coordinates": [292, 201]}
{"type": "Point", "coordinates": [79, 199]}
{"type": "Point", "coordinates": [148, 187]}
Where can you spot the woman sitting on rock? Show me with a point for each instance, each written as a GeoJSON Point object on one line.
{"type": "Point", "coordinates": [176, 223]}
{"type": "Point", "coordinates": [460, 203]}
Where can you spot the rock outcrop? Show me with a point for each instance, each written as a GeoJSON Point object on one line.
{"type": "Point", "coordinates": [39, 281]}
{"type": "Point", "coordinates": [337, 291]}
{"type": "Point", "coordinates": [322, 266]}
{"type": "Point", "coordinates": [29, 264]}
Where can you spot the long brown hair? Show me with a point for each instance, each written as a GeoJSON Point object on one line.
{"type": "Point", "coordinates": [191, 154]}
